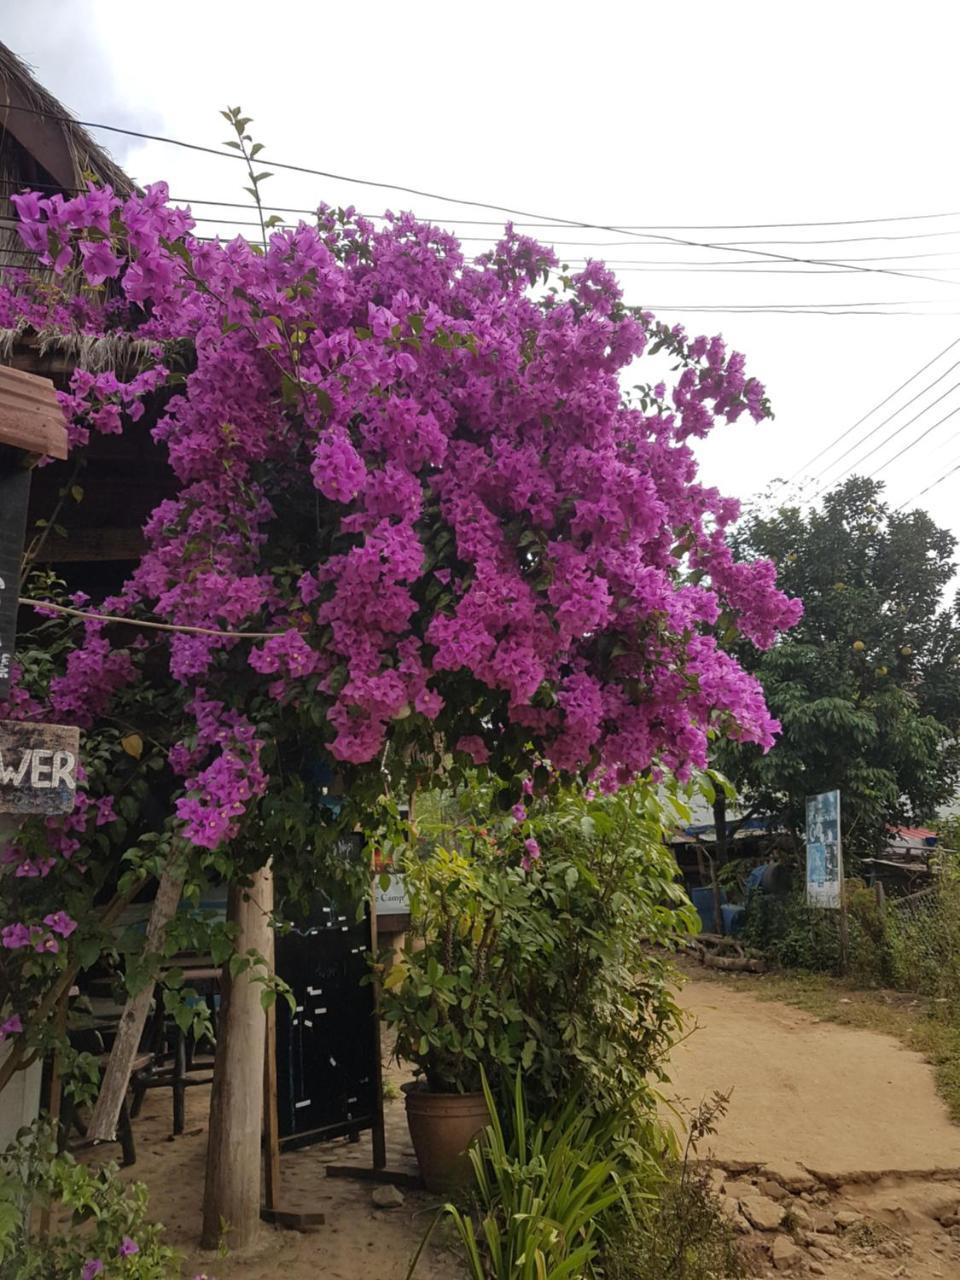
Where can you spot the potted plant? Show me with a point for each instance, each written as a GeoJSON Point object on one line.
{"type": "Point", "coordinates": [448, 997]}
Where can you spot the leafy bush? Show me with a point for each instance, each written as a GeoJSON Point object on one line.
{"type": "Point", "coordinates": [543, 963]}
{"type": "Point", "coordinates": [98, 1225]}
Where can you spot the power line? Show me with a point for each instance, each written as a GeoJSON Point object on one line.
{"type": "Point", "coordinates": [946, 476]}
{"type": "Point", "coordinates": [892, 436]}
{"type": "Point", "coordinates": [870, 412]}
{"type": "Point", "coordinates": [913, 443]}
{"type": "Point", "coordinates": [427, 195]}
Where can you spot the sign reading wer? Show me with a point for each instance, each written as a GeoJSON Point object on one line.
{"type": "Point", "coordinates": [38, 767]}
{"type": "Point", "coordinates": [824, 855]}
{"type": "Point", "coordinates": [14, 492]}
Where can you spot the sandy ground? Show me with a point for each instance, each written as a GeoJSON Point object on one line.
{"type": "Point", "coordinates": [844, 1103]}
{"type": "Point", "coordinates": [356, 1242]}
{"type": "Point", "coordinates": [831, 1098]}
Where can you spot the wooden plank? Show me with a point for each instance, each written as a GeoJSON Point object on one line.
{"type": "Point", "coordinates": [14, 497]}
{"type": "Point", "coordinates": [88, 545]}
{"type": "Point", "coordinates": [38, 767]}
{"type": "Point", "coordinates": [44, 139]}
{"type": "Point", "coordinates": [30, 417]}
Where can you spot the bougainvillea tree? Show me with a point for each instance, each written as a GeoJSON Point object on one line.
{"type": "Point", "coordinates": [416, 525]}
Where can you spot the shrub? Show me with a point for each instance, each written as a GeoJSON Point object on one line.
{"type": "Point", "coordinates": [98, 1226]}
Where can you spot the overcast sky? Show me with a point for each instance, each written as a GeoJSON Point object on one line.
{"type": "Point", "coordinates": [661, 115]}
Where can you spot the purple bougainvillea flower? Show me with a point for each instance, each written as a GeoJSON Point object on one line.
{"type": "Point", "coordinates": [60, 923]}
{"type": "Point", "coordinates": [91, 1268]}
{"type": "Point", "coordinates": [128, 1247]}
{"type": "Point", "coordinates": [12, 1027]}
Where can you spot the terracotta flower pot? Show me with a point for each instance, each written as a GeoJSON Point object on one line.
{"type": "Point", "coordinates": [442, 1126]}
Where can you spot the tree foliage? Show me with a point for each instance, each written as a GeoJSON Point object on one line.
{"type": "Point", "coordinates": [867, 686]}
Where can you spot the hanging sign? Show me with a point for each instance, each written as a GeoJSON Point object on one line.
{"type": "Point", "coordinates": [393, 900]}
{"type": "Point", "coordinates": [38, 767]}
{"type": "Point", "coordinates": [824, 854]}
{"type": "Point", "coordinates": [14, 493]}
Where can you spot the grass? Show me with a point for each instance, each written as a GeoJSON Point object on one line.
{"type": "Point", "coordinates": [926, 1026]}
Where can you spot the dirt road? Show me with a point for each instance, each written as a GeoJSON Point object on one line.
{"type": "Point", "coordinates": [832, 1098]}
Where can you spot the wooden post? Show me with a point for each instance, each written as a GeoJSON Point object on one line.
{"type": "Point", "coordinates": [116, 1078]}
{"type": "Point", "coordinates": [271, 1121]}
{"type": "Point", "coordinates": [231, 1202]}
{"type": "Point", "coordinates": [379, 1127]}
{"type": "Point", "coordinates": [844, 928]}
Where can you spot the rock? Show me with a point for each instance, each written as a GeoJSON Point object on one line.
{"type": "Point", "coordinates": [799, 1216]}
{"type": "Point", "coordinates": [847, 1218]}
{"type": "Point", "coordinates": [387, 1197]}
{"type": "Point", "coordinates": [790, 1176]}
{"type": "Point", "coordinates": [738, 1188]}
{"type": "Point", "coordinates": [786, 1255]}
{"type": "Point", "coordinates": [949, 1220]}
{"type": "Point", "coordinates": [816, 1269]}
{"type": "Point", "coordinates": [887, 1249]}
{"type": "Point", "coordinates": [832, 1249]}
{"type": "Point", "coordinates": [772, 1189]}
{"type": "Point", "coordinates": [742, 1225]}
{"type": "Point", "coordinates": [765, 1214]}
{"type": "Point", "coordinates": [821, 1255]}
{"type": "Point", "coordinates": [823, 1221]}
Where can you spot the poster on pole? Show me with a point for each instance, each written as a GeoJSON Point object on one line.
{"type": "Point", "coordinates": [824, 855]}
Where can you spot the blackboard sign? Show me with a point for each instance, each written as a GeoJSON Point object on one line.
{"type": "Point", "coordinates": [14, 493]}
{"type": "Point", "coordinates": [38, 767]}
{"type": "Point", "coordinates": [328, 1077]}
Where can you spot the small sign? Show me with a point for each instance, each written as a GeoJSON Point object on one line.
{"type": "Point", "coordinates": [38, 767]}
{"type": "Point", "coordinates": [824, 854]}
{"type": "Point", "coordinates": [14, 493]}
{"type": "Point", "coordinates": [393, 900]}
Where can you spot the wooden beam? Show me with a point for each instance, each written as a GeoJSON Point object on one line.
{"type": "Point", "coordinates": [30, 417]}
{"type": "Point", "coordinates": [126, 1046]}
{"type": "Point", "coordinates": [89, 545]}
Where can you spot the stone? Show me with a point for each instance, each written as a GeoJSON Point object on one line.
{"type": "Point", "coordinates": [833, 1250]}
{"type": "Point", "coordinates": [847, 1218]}
{"type": "Point", "coordinates": [772, 1189]}
{"type": "Point", "coordinates": [785, 1254]}
{"type": "Point", "coordinates": [819, 1254]}
{"type": "Point", "coordinates": [387, 1197]}
{"type": "Point", "coordinates": [741, 1224]}
{"type": "Point", "coordinates": [738, 1188]}
{"type": "Point", "coordinates": [791, 1176]}
{"type": "Point", "coordinates": [765, 1214]}
{"type": "Point", "coordinates": [887, 1249]}
{"type": "Point", "coordinates": [816, 1269]}
{"type": "Point", "coordinates": [823, 1221]}
{"type": "Point", "coordinates": [799, 1216]}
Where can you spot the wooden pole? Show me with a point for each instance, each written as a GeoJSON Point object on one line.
{"type": "Point", "coordinates": [116, 1078]}
{"type": "Point", "coordinates": [231, 1202]}
{"type": "Point", "coordinates": [271, 1121]}
{"type": "Point", "coordinates": [379, 1127]}
{"type": "Point", "coordinates": [844, 929]}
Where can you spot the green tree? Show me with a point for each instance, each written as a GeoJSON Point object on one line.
{"type": "Point", "coordinates": [867, 686]}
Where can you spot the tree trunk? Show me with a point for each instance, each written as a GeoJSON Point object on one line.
{"type": "Point", "coordinates": [116, 1079]}
{"type": "Point", "coordinates": [231, 1202]}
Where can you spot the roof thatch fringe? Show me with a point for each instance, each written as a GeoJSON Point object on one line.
{"type": "Point", "coordinates": [86, 155]}
{"type": "Point", "coordinates": [98, 353]}
{"type": "Point", "coordinates": [9, 339]}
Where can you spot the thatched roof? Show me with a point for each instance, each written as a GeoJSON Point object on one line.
{"type": "Point", "coordinates": [41, 148]}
